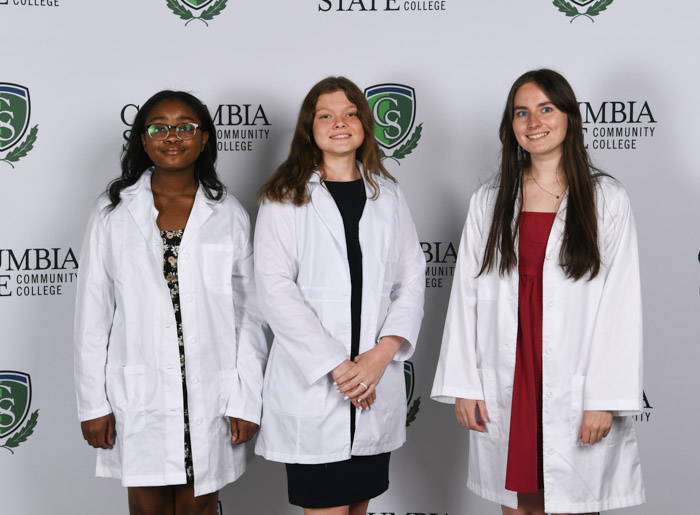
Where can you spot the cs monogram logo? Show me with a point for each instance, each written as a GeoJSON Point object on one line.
{"type": "Point", "coordinates": [394, 111]}
{"type": "Point", "coordinates": [14, 120]}
{"type": "Point", "coordinates": [15, 401]}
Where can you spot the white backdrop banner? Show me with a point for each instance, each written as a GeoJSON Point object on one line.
{"type": "Point", "coordinates": [73, 73]}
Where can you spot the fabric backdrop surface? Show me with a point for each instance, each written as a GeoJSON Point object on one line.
{"type": "Point", "coordinates": [437, 73]}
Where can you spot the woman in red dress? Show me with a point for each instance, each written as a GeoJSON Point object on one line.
{"type": "Point", "coordinates": [539, 413]}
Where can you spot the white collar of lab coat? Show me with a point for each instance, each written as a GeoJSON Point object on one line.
{"type": "Point", "coordinates": [327, 209]}
{"type": "Point", "coordinates": [556, 233]}
{"type": "Point", "coordinates": [315, 180]}
{"type": "Point", "coordinates": [144, 213]}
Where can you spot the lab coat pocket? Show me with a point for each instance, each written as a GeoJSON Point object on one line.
{"type": "Point", "coordinates": [287, 389]}
{"type": "Point", "coordinates": [490, 388]}
{"type": "Point", "coordinates": [577, 387]}
{"type": "Point", "coordinates": [391, 390]}
{"type": "Point", "coordinates": [217, 266]}
{"type": "Point", "coordinates": [126, 390]}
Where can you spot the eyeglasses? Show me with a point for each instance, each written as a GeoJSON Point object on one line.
{"type": "Point", "coordinates": [160, 131]}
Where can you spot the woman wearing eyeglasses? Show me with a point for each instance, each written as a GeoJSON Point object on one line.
{"type": "Point", "coordinates": [169, 345]}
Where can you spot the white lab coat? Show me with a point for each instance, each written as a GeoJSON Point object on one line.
{"type": "Point", "coordinates": [126, 348]}
{"type": "Point", "coordinates": [303, 283]}
{"type": "Point", "coordinates": [592, 359]}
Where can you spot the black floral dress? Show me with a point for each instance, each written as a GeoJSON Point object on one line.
{"type": "Point", "coordinates": [171, 246]}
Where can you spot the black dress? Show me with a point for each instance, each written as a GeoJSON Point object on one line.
{"type": "Point", "coordinates": [361, 477]}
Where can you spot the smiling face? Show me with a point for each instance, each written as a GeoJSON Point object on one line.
{"type": "Point", "coordinates": [539, 126]}
{"type": "Point", "coordinates": [337, 130]}
{"type": "Point", "coordinates": [173, 154]}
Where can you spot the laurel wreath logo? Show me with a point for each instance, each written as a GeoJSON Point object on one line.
{"type": "Point", "coordinates": [207, 15]}
{"type": "Point", "coordinates": [412, 412]}
{"type": "Point", "coordinates": [405, 149]}
{"type": "Point", "coordinates": [22, 435]}
{"type": "Point", "coordinates": [572, 12]}
{"type": "Point", "coordinates": [23, 149]}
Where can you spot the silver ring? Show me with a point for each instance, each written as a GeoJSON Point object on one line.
{"type": "Point", "coordinates": [363, 384]}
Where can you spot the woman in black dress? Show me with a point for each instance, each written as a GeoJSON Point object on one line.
{"type": "Point", "coordinates": [341, 281]}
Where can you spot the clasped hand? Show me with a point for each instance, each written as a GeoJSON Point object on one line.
{"type": "Point", "coordinates": [358, 380]}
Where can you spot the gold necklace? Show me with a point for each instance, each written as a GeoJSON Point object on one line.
{"type": "Point", "coordinates": [532, 176]}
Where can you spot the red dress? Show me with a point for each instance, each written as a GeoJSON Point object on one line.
{"type": "Point", "coordinates": [524, 471]}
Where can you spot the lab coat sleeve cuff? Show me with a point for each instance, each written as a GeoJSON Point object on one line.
{"type": "Point", "coordinates": [242, 414]}
{"type": "Point", "coordinates": [449, 394]}
{"type": "Point", "coordinates": [630, 406]}
{"type": "Point", "coordinates": [325, 368]}
{"type": "Point", "coordinates": [245, 397]}
{"type": "Point", "coordinates": [94, 413]}
{"type": "Point", "coordinates": [626, 413]}
{"type": "Point", "coordinates": [405, 350]}
{"type": "Point", "coordinates": [409, 334]}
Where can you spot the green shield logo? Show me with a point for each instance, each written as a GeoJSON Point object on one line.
{"type": "Point", "coordinates": [394, 111]}
{"type": "Point", "coordinates": [15, 399]}
{"type": "Point", "coordinates": [582, 3]}
{"type": "Point", "coordinates": [196, 4]}
{"type": "Point", "coordinates": [14, 114]}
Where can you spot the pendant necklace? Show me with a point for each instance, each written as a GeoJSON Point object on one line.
{"type": "Point", "coordinates": [546, 191]}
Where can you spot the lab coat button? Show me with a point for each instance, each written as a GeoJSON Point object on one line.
{"type": "Point", "coordinates": [548, 350]}
{"type": "Point", "coordinates": [550, 303]}
{"type": "Point", "coordinates": [186, 255]}
{"type": "Point", "coordinates": [550, 395]}
{"type": "Point", "coordinates": [198, 422]}
{"type": "Point", "coordinates": [195, 380]}
{"type": "Point", "coordinates": [548, 257]}
{"type": "Point", "coordinates": [551, 452]}
{"type": "Point", "coordinates": [192, 339]}
{"type": "Point", "coordinates": [166, 326]}
{"type": "Point", "coordinates": [188, 298]}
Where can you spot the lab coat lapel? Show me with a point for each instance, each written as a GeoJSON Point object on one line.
{"type": "Point", "coordinates": [557, 231]}
{"type": "Point", "coordinates": [328, 212]}
{"type": "Point", "coordinates": [375, 225]}
{"type": "Point", "coordinates": [144, 214]}
{"type": "Point", "coordinates": [201, 210]}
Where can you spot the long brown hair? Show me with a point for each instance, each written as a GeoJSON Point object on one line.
{"type": "Point", "coordinates": [580, 254]}
{"type": "Point", "coordinates": [288, 183]}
